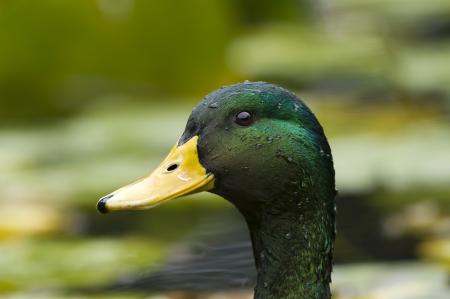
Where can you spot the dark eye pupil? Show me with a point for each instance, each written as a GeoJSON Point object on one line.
{"type": "Point", "coordinates": [244, 118]}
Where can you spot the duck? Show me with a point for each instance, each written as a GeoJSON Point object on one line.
{"type": "Point", "coordinates": [261, 148]}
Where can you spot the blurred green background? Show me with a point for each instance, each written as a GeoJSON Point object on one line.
{"type": "Point", "coordinates": [94, 93]}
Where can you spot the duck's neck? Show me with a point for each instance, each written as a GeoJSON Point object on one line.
{"type": "Point", "coordinates": [292, 244]}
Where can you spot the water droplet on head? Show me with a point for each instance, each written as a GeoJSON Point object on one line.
{"type": "Point", "coordinates": [288, 236]}
{"type": "Point", "coordinates": [269, 139]}
{"type": "Point", "coordinates": [213, 105]}
{"type": "Point", "coordinates": [258, 145]}
{"type": "Point", "coordinates": [265, 284]}
{"type": "Point", "coordinates": [296, 107]}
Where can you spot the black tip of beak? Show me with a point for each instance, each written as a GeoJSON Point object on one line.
{"type": "Point", "coordinates": [101, 205]}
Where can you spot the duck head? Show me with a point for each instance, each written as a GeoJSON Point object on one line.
{"type": "Point", "coordinates": [251, 143]}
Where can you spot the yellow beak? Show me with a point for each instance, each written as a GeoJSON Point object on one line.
{"type": "Point", "coordinates": [179, 174]}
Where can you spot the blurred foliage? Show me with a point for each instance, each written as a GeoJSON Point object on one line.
{"type": "Point", "coordinates": [56, 55]}
{"type": "Point", "coordinates": [72, 262]}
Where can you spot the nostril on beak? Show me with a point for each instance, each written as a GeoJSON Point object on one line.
{"type": "Point", "coordinates": [172, 167]}
{"type": "Point", "coordinates": [101, 205]}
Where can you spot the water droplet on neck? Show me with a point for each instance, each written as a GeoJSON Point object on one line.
{"type": "Point", "coordinates": [296, 107]}
{"type": "Point", "coordinates": [288, 236]}
{"type": "Point", "coordinates": [213, 105]}
{"type": "Point", "coordinates": [258, 145]}
{"type": "Point", "coordinates": [262, 256]}
{"type": "Point", "coordinates": [269, 139]}
{"type": "Point", "coordinates": [265, 284]}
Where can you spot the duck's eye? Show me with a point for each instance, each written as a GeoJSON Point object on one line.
{"type": "Point", "coordinates": [244, 119]}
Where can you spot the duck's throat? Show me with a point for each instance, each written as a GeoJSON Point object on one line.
{"type": "Point", "coordinates": [293, 250]}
